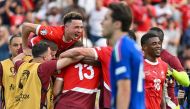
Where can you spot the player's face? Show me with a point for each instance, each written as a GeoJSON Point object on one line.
{"type": "Point", "coordinates": [107, 25]}
{"type": "Point", "coordinates": [154, 47]}
{"type": "Point", "coordinates": [74, 29]}
{"type": "Point", "coordinates": [15, 45]}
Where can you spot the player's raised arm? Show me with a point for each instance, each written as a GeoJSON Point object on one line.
{"type": "Point", "coordinates": [26, 29]}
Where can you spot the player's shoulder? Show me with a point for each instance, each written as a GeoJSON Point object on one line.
{"type": "Point", "coordinates": [43, 28]}
{"type": "Point", "coordinates": [163, 63]}
{"type": "Point", "coordinates": [126, 41]}
{"type": "Point", "coordinates": [165, 53]}
{"type": "Point", "coordinates": [126, 38]}
{"type": "Point", "coordinates": [6, 60]}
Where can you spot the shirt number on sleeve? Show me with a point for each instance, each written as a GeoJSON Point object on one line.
{"type": "Point", "coordinates": [82, 74]}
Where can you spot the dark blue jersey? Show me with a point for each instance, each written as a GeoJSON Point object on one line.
{"type": "Point", "coordinates": [127, 63]}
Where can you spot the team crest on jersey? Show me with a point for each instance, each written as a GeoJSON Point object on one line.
{"type": "Point", "coordinates": [43, 32]}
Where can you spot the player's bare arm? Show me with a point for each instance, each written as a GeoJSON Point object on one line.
{"type": "Point", "coordinates": [26, 29]}
{"type": "Point", "coordinates": [58, 86]}
{"type": "Point", "coordinates": [86, 52]}
{"type": "Point", "coordinates": [63, 62]}
{"type": "Point", "coordinates": [18, 57]}
{"type": "Point", "coordinates": [123, 95]}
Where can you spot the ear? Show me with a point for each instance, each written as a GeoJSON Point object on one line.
{"type": "Point", "coordinates": [117, 25]}
{"type": "Point", "coordinates": [44, 58]}
{"type": "Point", "coordinates": [144, 47]}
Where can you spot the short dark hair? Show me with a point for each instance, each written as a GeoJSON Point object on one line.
{"type": "Point", "coordinates": [146, 37]}
{"type": "Point", "coordinates": [72, 16]}
{"type": "Point", "coordinates": [132, 34]}
{"type": "Point", "coordinates": [158, 31]}
{"type": "Point", "coordinates": [51, 44]}
{"type": "Point", "coordinates": [14, 36]}
{"type": "Point", "coordinates": [39, 49]}
{"type": "Point", "coordinates": [122, 13]}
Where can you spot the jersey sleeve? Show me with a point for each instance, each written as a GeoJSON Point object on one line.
{"type": "Point", "coordinates": [51, 33]}
{"type": "Point", "coordinates": [102, 53]}
{"type": "Point", "coordinates": [44, 69]}
{"type": "Point", "coordinates": [175, 64]}
{"type": "Point", "coordinates": [122, 62]}
{"type": "Point", "coordinates": [60, 75]}
{"type": "Point", "coordinates": [126, 53]}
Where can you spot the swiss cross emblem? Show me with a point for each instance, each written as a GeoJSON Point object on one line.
{"type": "Point", "coordinates": [43, 32]}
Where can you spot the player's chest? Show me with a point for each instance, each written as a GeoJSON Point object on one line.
{"type": "Point", "coordinates": [153, 74]}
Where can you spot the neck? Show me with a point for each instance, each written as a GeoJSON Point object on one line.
{"type": "Point", "coordinates": [116, 36]}
{"type": "Point", "coordinates": [152, 59]}
{"type": "Point", "coordinates": [98, 8]}
{"type": "Point", "coordinates": [12, 57]}
{"type": "Point", "coordinates": [38, 60]}
{"type": "Point", "coordinates": [64, 38]}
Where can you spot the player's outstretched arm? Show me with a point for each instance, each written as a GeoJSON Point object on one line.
{"type": "Point", "coordinates": [181, 77]}
{"type": "Point", "coordinates": [63, 62]}
{"type": "Point", "coordinates": [86, 52]}
{"type": "Point", "coordinates": [26, 29]}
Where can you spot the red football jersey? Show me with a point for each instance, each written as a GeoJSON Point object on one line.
{"type": "Point", "coordinates": [16, 19]}
{"type": "Point", "coordinates": [155, 75]}
{"type": "Point", "coordinates": [55, 34]}
{"type": "Point", "coordinates": [81, 80]}
{"type": "Point", "coordinates": [104, 56]}
{"type": "Point", "coordinates": [80, 75]}
{"type": "Point", "coordinates": [185, 11]}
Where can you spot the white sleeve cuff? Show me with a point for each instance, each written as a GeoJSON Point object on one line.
{"type": "Point", "coordinates": [37, 29]}
{"type": "Point", "coordinates": [60, 79]}
{"type": "Point", "coordinates": [96, 54]}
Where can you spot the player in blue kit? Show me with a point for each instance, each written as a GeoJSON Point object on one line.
{"type": "Point", "coordinates": [127, 65]}
{"type": "Point", "coordinates": [127, 77]}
